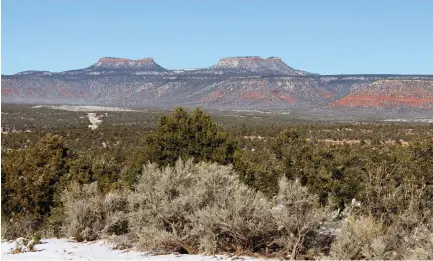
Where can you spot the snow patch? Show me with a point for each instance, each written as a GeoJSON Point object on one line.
{"type": "Point", "coordinates": [410, 120]}
{"type": "Point", "coordinates": [63, 249]}
{"type": "Point", "coordinates": [83, 108]}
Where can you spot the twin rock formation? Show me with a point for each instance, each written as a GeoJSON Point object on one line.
{"type": "Point", "coordinates": [233, 83]}
{"type": "Point", "coordinates": [271, 65]}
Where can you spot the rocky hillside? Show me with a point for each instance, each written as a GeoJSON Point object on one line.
{"type": "Point", "coordinates": [236, 83]}
{"type": "Point", "coordinates": [390, 93]}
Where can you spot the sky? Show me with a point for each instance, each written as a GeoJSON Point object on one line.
{"type": "Point", "coordinates": [326, 37]}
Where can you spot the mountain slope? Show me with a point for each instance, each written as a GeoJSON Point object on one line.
{"type": "Point", "coordinates": [390, 93]}
{"type": "Point", "coordinates": [237, 82]}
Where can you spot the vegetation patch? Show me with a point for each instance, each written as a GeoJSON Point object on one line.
{"type": "Point", "coordinates": [255, 185]}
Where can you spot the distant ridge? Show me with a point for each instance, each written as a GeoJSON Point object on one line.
{"type": "Point", "coordinates": [248, 82]}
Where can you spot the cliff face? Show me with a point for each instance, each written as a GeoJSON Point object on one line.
{"type": "Point", "coordinates": [239, 83]}
{"type": "Point", "coordinates": [390, 93]}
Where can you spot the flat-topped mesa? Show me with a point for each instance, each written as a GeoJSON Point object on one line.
{"type": "Point", "coordinates": [114, 60]}
{"type": "Point", "coordinates": [112, 63]}
{"type": "Point", "coordinates": [239, 62]}
{"type": "Point", "coordinates": [242, 58]}
{"type": "Point", "coordinates": [271, 65]}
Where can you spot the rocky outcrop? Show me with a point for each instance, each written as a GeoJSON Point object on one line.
{"type": "Point", "coordinates": [271, 65]}
{"type": "Point", "coordinates": [127, 64]}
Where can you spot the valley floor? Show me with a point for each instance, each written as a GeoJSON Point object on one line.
{"type": "Point", "coordinates": [63, 249]}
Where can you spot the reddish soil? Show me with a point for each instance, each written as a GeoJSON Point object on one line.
{"type": "Point", "coordinates": [252, 95]}
{"type": "Point", "coordinates": [372, 101]}
{"type": "Point", "coordinates": [215, 95]}
{"type": "Point", "coordinates": [326, 94]}
{"type": "Point", "coordinates": [7, 91]}
{"type": "Point", "coordinates": [284, 97]}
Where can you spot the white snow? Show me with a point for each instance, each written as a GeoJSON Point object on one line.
{"type": "Point", "coordinates": [267, 112]}
{"type": "Point", "coordinates": [410, 120]}
{"type": "Point", "coordinates": [86, 108]}
{"type": "Point", "coordinates": [63, 249]}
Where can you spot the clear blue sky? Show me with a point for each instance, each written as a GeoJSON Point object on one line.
{"type": "Point", "coordinates": [326, 37]}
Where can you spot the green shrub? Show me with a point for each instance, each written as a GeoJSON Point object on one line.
{"type": "Point", "coordinates": [30, 177]}
{"type": "Point", "coordinates": [184, 135]}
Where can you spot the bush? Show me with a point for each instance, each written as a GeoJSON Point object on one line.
{"type": "Point", "coordinates": [184, 135]}
{"type": "Point", "coordinates": [88, 214]}
{"type": "Point", "coordinates": [30, 177]}
{"type": "Point", "coordinates": [83, 211]}
{"type": "Point", "coordinates": [411, 235]}
{"type": "Point", "coordinates": [418, 245]}
{"type": "Point", "coordinates": [360, 238]}
{"type": "Point", "coordinates": [193, 208]}
{"type": "Point", "coordinates": [30, 182]}
{"type": "Point", "coordinates": [235, 219]}
{"type": "Point", "coordinates": [23, 245]}
{"type": "Point", "coordinates": [19, 226]}
{"type": "Point", "coordinates": [164, 199]}
{"type": "Point", "coordinates": [115, 206]}
{"type": "Point", "coordinates": [299, 215]}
